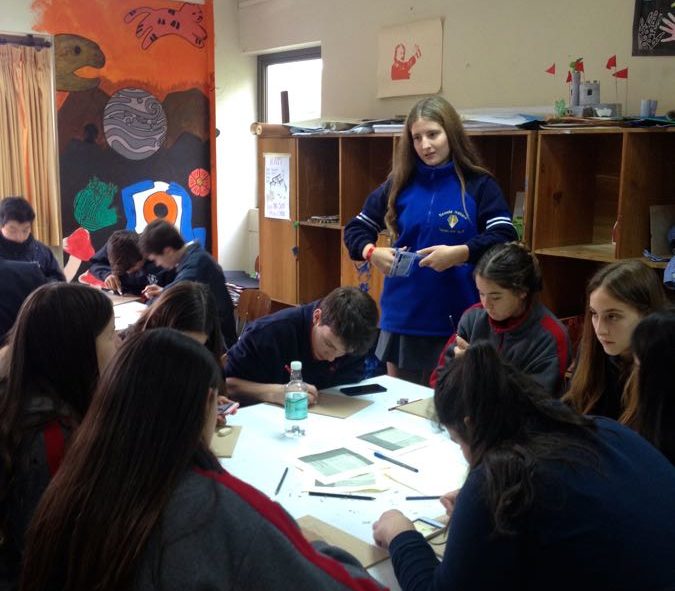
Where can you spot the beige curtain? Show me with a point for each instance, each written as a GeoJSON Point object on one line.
{"type": "Point", "coordinates": [28, 157]}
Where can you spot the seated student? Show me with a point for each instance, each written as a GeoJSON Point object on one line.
{"type": "Point", "coordinates": [188, 307]}
{"type": "Point", "coordinates": [185, 523]}
{"type": "Point", "coordinates": [509, 315]}
{"type": "Point", "coordinates": [64, 335]}
{"type": "Point", "coordinates": [618, 297]}
{"type": "Point", "coordinates": [122, 268]}
{"type": "Point", "coordinates": [17, 281]}
{"type": "Point", "coordinates": [650, 395]}
{"type": "Point", "coordinates": [330, 337]}
{"type": "Point", "coordinates": [554, 500]}
{"type": "Point", "coordinates": [163, 245]}
{"type": "Point", "coordinates": [17, 242]}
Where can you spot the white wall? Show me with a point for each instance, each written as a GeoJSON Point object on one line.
{"type": "Point", "coordinates": [495, 53]}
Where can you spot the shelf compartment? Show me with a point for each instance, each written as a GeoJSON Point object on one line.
{"type": "Point", "coordinates": [317, 173]}
{"type": "Point", "coordinates": [601, 253]}
{"type": "Point", "coordinates": [577, 192]}
{"type": "Point", "coordinates": [318, 261]}
{"type": "Point", "coordinates": [365, 163]}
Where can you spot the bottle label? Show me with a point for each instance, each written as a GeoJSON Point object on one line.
{"type": "Point", "coordinates": [296, 405]}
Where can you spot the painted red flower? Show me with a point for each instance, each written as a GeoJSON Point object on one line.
{"type": "Point", "coordinates": [199, 182]}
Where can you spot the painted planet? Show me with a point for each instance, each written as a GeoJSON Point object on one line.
{"type": "Point", "coordinates": [134, 123]}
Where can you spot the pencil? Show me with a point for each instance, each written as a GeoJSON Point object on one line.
{"type": "Point", "coordinates": [424, 498]}
{"type": "Point", "coordinates": [283, 477]}
{"type": "Point", "coordinates": [397, 462]}
{"type": "Point", "coordinates": [339, 496]}
{"type": "Point", "coordinates": [400, 405]}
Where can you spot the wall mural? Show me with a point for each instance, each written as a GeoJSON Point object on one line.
{"type": "Point", "coordinates": [132, 85]}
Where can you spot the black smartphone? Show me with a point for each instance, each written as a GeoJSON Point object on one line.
{"type": "Point", "coordinates": [365, 389]}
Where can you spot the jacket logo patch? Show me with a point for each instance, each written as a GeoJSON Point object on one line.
{"type": "Point", "coordinates": [455, 221]}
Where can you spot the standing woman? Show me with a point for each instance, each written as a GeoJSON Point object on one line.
{"type": "Point", "coordinates": [650, 393]}
{"type": "Point", "coordinates": [510, 316]}
{"type": "Point", "coordinates": [63, 336]}
{"type": "Point", "coordinates": [442, 204]}
{"type": "Point", "coordinates": [141, 503]}
{"type": "Point", "coordinates": [619, 296]}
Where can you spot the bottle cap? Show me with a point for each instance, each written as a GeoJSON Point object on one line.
{"type": "Point", "coordinates": [296, 365]}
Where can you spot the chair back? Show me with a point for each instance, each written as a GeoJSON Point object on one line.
{"type": "Point", "coordinates": [253, 303]}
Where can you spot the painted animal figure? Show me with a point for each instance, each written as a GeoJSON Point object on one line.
{"type": "Point", "coordinates": [158, 22]}
{"type": "Point", "coordinates": [72, 52]}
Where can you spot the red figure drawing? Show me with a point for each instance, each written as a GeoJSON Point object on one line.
{"type": "Point", "coordinates": [158, 22]}
{"type": "Point", "coordinates": [400, 69]}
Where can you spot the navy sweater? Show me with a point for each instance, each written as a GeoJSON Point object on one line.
{"type": "Point", "coordinates": [430, 211]}
{"type": "Point", "coordinates": [133, 283]}
{"type": "Point", "coordinates": [267, 346]}
{"type": "Point", "coordinates": [610, 528]}
{"type": "Point", "coordinates": [32, 251]}
{"type": "Point", "coordinates": [17, 281]}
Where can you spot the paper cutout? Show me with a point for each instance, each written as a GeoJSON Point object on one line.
{"type": "Point", "coordinates": [551, 69]}
{"type": "Point", "coordinates": [223, 445]}
{"type": "Point", "coordinates": [422, 408]}
{"type": "Point", "coordinates": [367, 554]}
{"type": "Point", "coordinates": [621, 73]}
{"type": "Point", "coordinates": [611, 63]}
{"type": "Point", "coordinates": [338, 406]}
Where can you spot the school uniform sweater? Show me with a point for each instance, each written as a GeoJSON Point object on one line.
{"type": "Point", "coordinates": [430, 211]}
{"type": "Point", "coordinates": [198, 265]}
{"type": "Point", "coordinates": [133, 283]}
{"type": "Point", "coordinates": [267, 346]}
{"type": "Point", "coordinates": [537, 343]}
{"type": "Point", "coordinates": [35, 463]}
{"type": "Point", "coordinates": [17, 281]}
{"type": "Point", "coordinates": [221, 534]}
{"type": "Point", "coordinates": [609, 527]}
{"type": "Point", "coordinates": [32, 251]}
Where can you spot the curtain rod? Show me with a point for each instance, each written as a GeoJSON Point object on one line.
{"type": "Point", "coordinates": [28, 40]}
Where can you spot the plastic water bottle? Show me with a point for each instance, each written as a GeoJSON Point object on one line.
{"type": "Point", "coordinates": [296, 403]}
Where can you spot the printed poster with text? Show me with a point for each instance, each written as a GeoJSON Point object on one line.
{"type": "Point", "coordinates": [277, 186]}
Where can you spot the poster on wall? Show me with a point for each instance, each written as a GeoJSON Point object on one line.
{"type": "Point", "coordinates": [654, 27]}
{"type": "Point", "coordinates": [277, 186]}
{"type": "Point", "coordinates": [410, 59]}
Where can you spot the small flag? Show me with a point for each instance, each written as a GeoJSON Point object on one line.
{"type": "Point", "coordinates": [551, 70]}
{"type": "Point", "coordinates": [579, 65]}
{"type": "Point", "coordinates": [611, 63]}
{"type": "Point", "coordinates": [569, 77]}
{"type": "Point", "coordinates": [621, 73]}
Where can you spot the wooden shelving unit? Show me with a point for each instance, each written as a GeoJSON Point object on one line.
{"type": "Point", "coordinates": [591, 205]}
{"type": "Point", "coordinates": [332, 175]}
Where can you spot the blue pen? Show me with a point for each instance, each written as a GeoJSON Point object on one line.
{"type": "Point", "coordinates": [381, 456]}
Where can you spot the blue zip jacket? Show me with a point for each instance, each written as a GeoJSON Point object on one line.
{"type": "Point", "coordinates": [430, 211]}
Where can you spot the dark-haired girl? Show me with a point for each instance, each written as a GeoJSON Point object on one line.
{"type": "Point", "coordinates": [650, 395]}
{"type": "Point", "coordinates": [554, 500]}
{"type": "Point", "coordinates": [509, 315]}
{"type": "Point", "coordinates": [141, 503]}
{"type": "Point", "coordinates": [63, 337]}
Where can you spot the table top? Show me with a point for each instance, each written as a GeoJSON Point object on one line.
{"type": "Point", "coordinates": [263, 452]}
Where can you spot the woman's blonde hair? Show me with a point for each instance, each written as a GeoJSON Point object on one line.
{"type": "Point", "coordinates": [462, 152]}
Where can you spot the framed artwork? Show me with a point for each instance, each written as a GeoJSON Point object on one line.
{"type": "Point", "coordinates": [410, 59]}
{"type": "Point", "coordinates": [654, 27]}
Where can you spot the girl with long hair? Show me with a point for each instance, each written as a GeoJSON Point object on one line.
{"type": "Point", "coordinates": [511, 317]}
{"type": "Point", "coordinates": [442, 204]}
{"type": "Point", "coordinates": [619, 295]}
{"type": "Point", "coordinates": [63, 337]}
{"type": "Point", "coordinates": [553, 500]}
{"type": "Point", "coordinates": [650, 394]}
{"type": "Point", "coordinates": [141, 503]}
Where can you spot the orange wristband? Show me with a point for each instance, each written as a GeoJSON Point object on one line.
{"type": "Point", "coordinates": [369, 252]}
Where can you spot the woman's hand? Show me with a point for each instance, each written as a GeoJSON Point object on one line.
{"type": "Point", "coordinates": [460, 346]}
{"type": "Point", "coordinates": [389, 525]}
{"type": "Point", "coordinates": [442, 257]}
{"type": "Point", "coordinates": [448, 501]}
{"type": "Point", "coordinates": [382, 257]}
